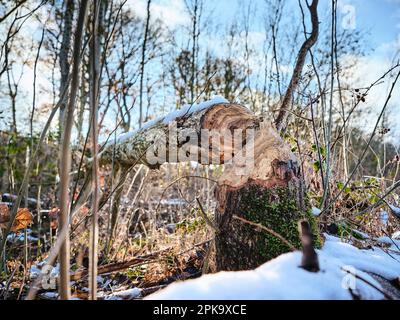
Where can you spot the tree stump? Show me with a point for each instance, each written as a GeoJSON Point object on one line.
{"type": "Point", "coordinates": [272, 195]}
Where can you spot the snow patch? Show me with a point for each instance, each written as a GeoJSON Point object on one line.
{"type": "Point", "coordinates": [282, 278]}
{"type": "Point", "coordinates": [394, 243]}
{"type": "Point", "coordinates": [373, 260]}
{"type": "Point", "coordinates": [20, 236]}
{"type": "Point", "coordinates": [395, 210]}
{"type": "Point", "coordinates": [360, 233]}
{"type": "Point", "coordinates": [128, 294]}
{"type": "Point", "coordinates": [37, 269]}
{"type": "Point", "coordinates": [396, 235]}
{"type": "Point", "coordinates": [315, 211]}
{"type": "Point", "coordinates": [49, 295]}
{"type": "Point", "coordinates": [384, 216]}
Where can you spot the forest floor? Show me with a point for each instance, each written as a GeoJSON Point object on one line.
{"type": "Point", "coordinates": [162, 239]}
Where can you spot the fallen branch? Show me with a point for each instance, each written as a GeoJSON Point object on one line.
{"type": "Point", "coordinates": [118, 266]}
{"type": "Point", "coordinates": [258, 225]}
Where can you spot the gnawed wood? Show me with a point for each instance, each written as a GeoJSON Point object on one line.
{"type": "Point", "coordinates": [271, 194]}
{"type": "Point", "coordinates": [156, 138]}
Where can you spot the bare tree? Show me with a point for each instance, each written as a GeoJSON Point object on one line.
{"type": "Point", "coordinates": [94, 93]}
{"type": "Point", "coordinates": [65, 154]}
{"type": "Point", "coordinates": [195, 10]}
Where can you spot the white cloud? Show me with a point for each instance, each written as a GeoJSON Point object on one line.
{"type": "Point", "coordinates": [367, 70]}
{"type": "Point", "coordinates": [172, 12]}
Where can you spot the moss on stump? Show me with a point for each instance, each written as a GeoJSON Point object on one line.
{"type": "Point", "coordinates": [240, 246]}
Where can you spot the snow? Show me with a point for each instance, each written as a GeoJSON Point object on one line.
{"type": "Point", "coordinates": [187, 109]}
{"type": "Point", "coordinates": [124, 294]}
{"type": "Point", "coordinates": [394, 244]}
{"type": "Point", "coordinates": [316, 211]}
{"type": "Point", "coordinates": [396, 235]}
{"type": "Point", "coordinates": [49, 295]}
{"type": "Point", "coordinates": [192, 108]}
{"type": "Point", "coordinates": [173, 202]}
{"type": "Point", "coordinates": [395, 210]}
{"type": "Point", "coordinates": [20, 236]}
{"type": "Point", "coordinates": [373, 260]}
{"type": "Point", "coordinates": [384, 217]}
{"type": "Point", "coordinates": [36, 269]}
{"type": "Point", "coordinates": [282, 278]}
{"type": "Point", "coordinates": [363, 235]}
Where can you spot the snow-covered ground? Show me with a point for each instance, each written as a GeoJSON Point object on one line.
{"type": "Point", "coordinates": [343, 274]}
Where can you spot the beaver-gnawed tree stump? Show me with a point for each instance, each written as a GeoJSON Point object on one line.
{"type": "Point", "coordinates": [271, 195]}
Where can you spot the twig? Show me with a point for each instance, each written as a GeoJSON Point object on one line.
{"type": "Point", "coordinates": [309, 260]}
{"type": "Point", "coordinates": [204, 215]}
{"type": "Point", "coordinates": [366, 147]}
{"type": "Point", "coordinates": [385, 294]}
{"type": "Point", "coordinates": [144, 259]}
{"type": "Point", "coordinates": [258, 225]}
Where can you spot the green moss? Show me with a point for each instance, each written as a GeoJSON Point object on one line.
{"type": "Point", "coordinates": [276, 209]}
{"type": "Point", "coordinates": [190, 225]}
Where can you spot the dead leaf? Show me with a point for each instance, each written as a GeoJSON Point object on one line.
{"type": "Point", "coordinates": [102, 181]}
{"type": "Point", "coordinates": [54, 224]}
{"type": "Point", "coordinates": [23, 219]}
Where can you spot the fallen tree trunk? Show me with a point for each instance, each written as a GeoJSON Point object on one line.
{"type": "Point", "coordinates": [185, 134]}
{"type": "Point", "coordinates": [261, 182]}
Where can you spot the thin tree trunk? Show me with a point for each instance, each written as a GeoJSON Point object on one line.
{"type": "Point", "coordinates": [64, 55]}
{"type": "Point", "coordinates": [142, 63]}
{"type": "Point", "coordinates": [65, 156]}
{"type": "Point", "coordinates": [296, 76]}
{"type": "Point", "coordinates": [94, 79]}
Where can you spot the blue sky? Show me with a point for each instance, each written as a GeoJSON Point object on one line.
{"type": "Point", "coordinates": [378, 19]}
{"type": "Point", "coordinates": [381, 17]}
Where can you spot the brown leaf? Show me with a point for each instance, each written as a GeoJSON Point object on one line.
{"type": "Point", "coordinates": [102, 181]}
{"type": "Point", "coordinates": [23, 219]}
{"type": "Point", "coordinates": [53, 213]}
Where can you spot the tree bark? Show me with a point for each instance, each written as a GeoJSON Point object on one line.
{"type": "Point", "coordinates": [94, 58]}
{"type": "Point", "coordinates": [155, 139]}
{"type": "Point", "coordinates": [64, 55]}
